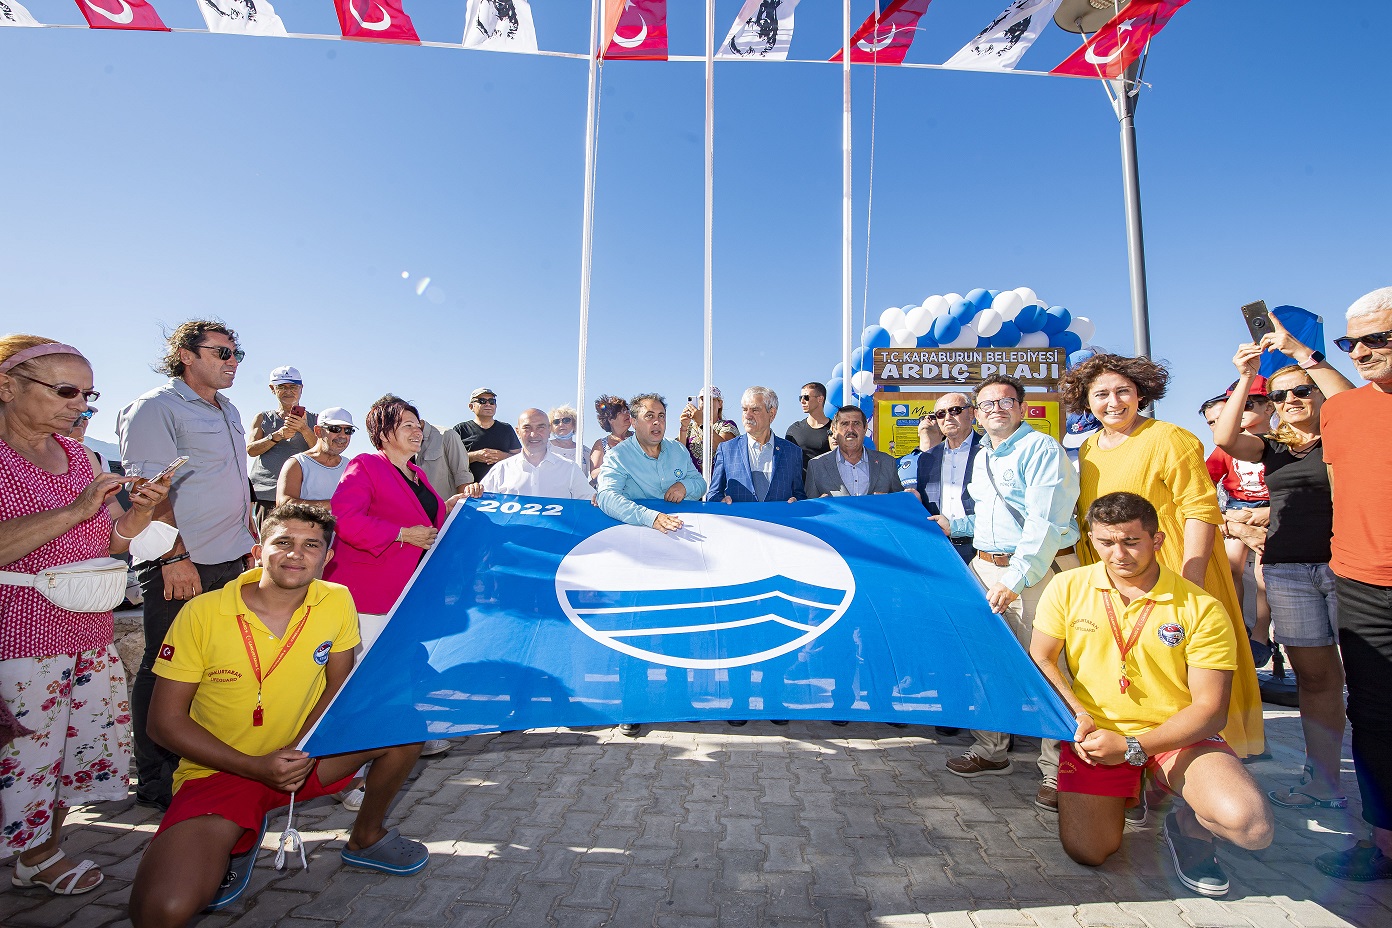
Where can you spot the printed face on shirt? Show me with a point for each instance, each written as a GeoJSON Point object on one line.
{"type": "Point", "coordinates": [1128, 550]}
{"type": "Point", "coordinates": [293, 553]}
{"type": "Point", "coordinates": [534, 428]}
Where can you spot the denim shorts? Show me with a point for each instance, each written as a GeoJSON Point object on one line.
{"type": "Point", "coordinates": [1304, 609]}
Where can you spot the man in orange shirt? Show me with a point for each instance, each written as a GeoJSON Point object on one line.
{"type": "Point", "coordinates": [1358, 452]}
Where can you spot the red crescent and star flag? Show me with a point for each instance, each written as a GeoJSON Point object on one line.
{"type": "Point", "coordinates": [885, 39]}
{"type": "Point", "coordinates": [121, 14]}
{"type": "Point", "coordinates": [1117, 45]}
{"type": "Point", "coordinates": [635, 30]}
{"type": "Point", "coordinates": [375, 21]}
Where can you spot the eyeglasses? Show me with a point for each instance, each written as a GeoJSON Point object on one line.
{"type": "Point", "coordinates": [487, 401]}
{"type": "Point", "coordinates": [951, 411]}
{"type": "Point", "coordinates": [563, 420]}
{"type": "Point", "coordinates": [1301, 392]}
{"type": "Point", "coordinates": [340, 429]}
{"type": "Point", "coordinates": [1372, 340]}
{"type": "Point", "coordinates": [1004, 403]}
{"type": "Point", "coordinates": [223, 352]}
{"type": "Point", "coordinates": [65, 390]}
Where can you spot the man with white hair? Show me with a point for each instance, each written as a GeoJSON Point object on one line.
{"type": "Point", "coordinates": [763, 466]}
{"type": "Point", "coordinates": [945, 471]}
{"type": "Point", "coordinates": [1358, 452]}
{"type": "Point", "coordinates": [540, 470]}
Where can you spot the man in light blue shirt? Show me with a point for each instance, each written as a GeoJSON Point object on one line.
{"type": "Point", "coordinates": [647, 466]}
{"type": "Point", "coordinates": [1025, 528]}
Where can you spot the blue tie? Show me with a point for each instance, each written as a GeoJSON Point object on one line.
{"type": "Point", "coordinates": [761, 485]}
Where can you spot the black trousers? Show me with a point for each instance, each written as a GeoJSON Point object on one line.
{"type": "Point", "coordinates": [1365, 640]}
{"type": "Point", "coordinates": [155, 765]}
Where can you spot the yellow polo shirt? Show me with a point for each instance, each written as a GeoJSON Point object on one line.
{"type": "Point", "coordinates": [205, 646]}
{"type": "Point", "coordinates": [1187, 628]}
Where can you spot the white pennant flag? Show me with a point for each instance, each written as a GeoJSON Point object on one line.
{"type": "Point", "coordinates": [12, 14]}
{"type": "Point", "coordinates": [502, 25]}
{"type": "Point", "coordinates": [763, 29]}
{"type": "Point", "coordinates": [241, 17]}
{"type": "Point", "coordinates": [1000, 45]}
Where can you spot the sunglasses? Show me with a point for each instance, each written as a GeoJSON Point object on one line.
{"type": "Point", "coordinates": [1301, 392]}
{"type": "Point", "coordinates": [1372, 340]}
{"type": "Point", "coordinates": [223, 352]}
{"type": "Point", "coordinates": [487, 401]}
{"type": "Point", "coordinates": [1252, 402]}
{"type": "Point", "coordinates": [65, 390]}
{"type": "Point", "coordinates": [340, 429]}
{"type": "Point", "coordinates": [1004, 403]}
{"type": "Point", "coordinates": [807, 397]}
{"type": "Point", "coordinates": [563, 420]}
{"type": "Point", "coordinates": [951, 411]}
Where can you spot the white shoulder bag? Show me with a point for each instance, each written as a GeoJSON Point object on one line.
{"type": "Point", "coordinates": [95, 585]}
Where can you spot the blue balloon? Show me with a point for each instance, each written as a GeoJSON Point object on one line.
{"type": "Point", "coordinates": [839, 371]}
{"type": "Point", "coordinates": [835, 387]}
{"type": "Point", "coordinates": [1031, 318]}
{"type": "Point", "coordinates": [983, 342]}
{"type": "Point", "coordinates": [1068, 341]}
{"type": "Point", "coordinates": [862, 359]}
{"type": "Point", "coordinates": [946, 328]}
{"type": "Point", "coordinates": [979, 298]}
{"type": "Point", "coordinates": [1056, 320]}
{"type": "Point", "coordinates": [1078, 357]}
{"type": "Point", "coordinates": [1007, 337]}
{"type": "Point", "coordinates": [927, 341]}
{"type": "Point", "coordinates": [994, 294]}
{"type": "Point", "coordinates": [877, 336]}
{"type": "Point", "coordinates": [867, 405]}
{"type": "Point", "coordinates": [962, 311]}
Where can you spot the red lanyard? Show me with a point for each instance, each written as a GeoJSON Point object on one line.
{"type": "Point", "coordinates": [1125, 647]}
{"type": "Point", "coordinates": [257, 717]}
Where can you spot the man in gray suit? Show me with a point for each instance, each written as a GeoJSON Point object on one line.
{"type": "Point", "coordinates": [851, 469]}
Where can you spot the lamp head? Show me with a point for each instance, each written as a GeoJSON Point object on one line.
{"type": "Point", "coordinates": [1087, 15]}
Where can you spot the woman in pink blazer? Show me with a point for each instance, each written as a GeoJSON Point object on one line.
{"type": "Point", "coordinates": [388, 514]}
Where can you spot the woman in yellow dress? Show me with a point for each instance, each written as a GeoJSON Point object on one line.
{"type": "Point", "coordinates": [1163, 463]}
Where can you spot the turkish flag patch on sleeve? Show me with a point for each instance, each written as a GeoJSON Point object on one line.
{"type": "Point", "coordinates": [166, 652]}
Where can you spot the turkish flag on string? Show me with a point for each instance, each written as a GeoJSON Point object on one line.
{"type": "Point", "coordinates": [886, 39]}
{"type": "Point", "coordinates": [1117, 45]}
{"type": "Point", "coordinates": [375, 21]}
{"type": "Point", "coordinates": [635, 30]}
{"type": "Point", "coordinates": [121, 14]}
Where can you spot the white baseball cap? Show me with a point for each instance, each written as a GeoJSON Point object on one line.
{"type": "Point", "coordinates": [286, 374]}
{"type": "Point", "coordinates": [335, 415]}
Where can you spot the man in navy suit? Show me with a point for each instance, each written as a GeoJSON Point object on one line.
{"type": "Point", "coordinates": [945, 470]}
{"type": "Point", "coordinates": [759, 466]}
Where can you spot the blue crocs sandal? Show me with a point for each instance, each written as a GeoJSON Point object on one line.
{"type": "Point", "coordinates": [393, 854]}
{"type": "Point", "coordinates": [238, 874]}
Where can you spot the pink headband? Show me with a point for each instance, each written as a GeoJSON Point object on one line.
{"type": "Point", "coordinates": [37, 351]}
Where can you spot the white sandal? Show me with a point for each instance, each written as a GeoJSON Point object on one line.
{"type": "Point", "coordinates": [26, 876]}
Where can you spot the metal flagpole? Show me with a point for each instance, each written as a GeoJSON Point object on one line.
{"type": "Point", "coordinates": [1124, 102]}
{"type": "Point", "coordinates": [708, 349]}
{"type": "Point", "coordinates": [587, 239]}
{"type": "Point", "coordinates": [846, 202]}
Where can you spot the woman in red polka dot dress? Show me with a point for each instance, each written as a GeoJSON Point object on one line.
{"type": "Point", "coordinates": [60, 677]}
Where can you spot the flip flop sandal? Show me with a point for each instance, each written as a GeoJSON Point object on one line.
{"type": "Point", "coordinates": [239, 868]}
{"type": "Point", "coordinates": [64, 884]}
{"type": "Point", "coordinates": [1284, 800]}
{"type": "Point", "coordinates": [393, 854]}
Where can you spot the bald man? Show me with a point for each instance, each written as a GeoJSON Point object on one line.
{"type": "Point", "coordinates": [540, 470]}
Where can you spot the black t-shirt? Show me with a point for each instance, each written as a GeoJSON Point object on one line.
{"type": "Point", "coordinates": [499, 436]}
{"type": "Point", "coordinates": [812, 441]}
{"type": "Point", "coordinates": [1302, 506]}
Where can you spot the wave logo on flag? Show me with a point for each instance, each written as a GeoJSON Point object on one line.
{"type": "Point", "coordinates": [502, 25]}
{"type": "Point", "coordinates": [13, 14]}
{"type": "Point", "coordinates": [884, 38]}
{"type": "Point", "coordinates": [763, 29]}
{"type": "Point", "coordinates": [776, 589]}
{"type": "Point", "coordinates": [375, 21]}
{"type": "Point", "coordinates": [1118, 44]}
{"type": "Point", "coordinates": [121, 14]}
{"type": "Point", "coordinates": [241, 17]}
{"type": "Point", "coordinates": [637, 30]}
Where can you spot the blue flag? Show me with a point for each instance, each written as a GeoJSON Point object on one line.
{"type": "Point", "coordinates": [1308, 329]}
{"type": "Point", "coordinates": [531, 613]}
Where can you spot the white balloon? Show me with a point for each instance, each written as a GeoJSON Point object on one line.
{"type": "Point", "coordinates": [919, 320]}
{"type": "Point", "coordinates": [1034, 340]}
{"type": "Point", "coordinates": [988, 322]}
{"type": "Point", "coordinates": [951, 298]}
{"type": "Point", "coordinates": [1082, 327]}
{"type": "Point", "coordinates": [937, 306]}
{"type": "Point", "coordinates": [892, 318]}
{"type": "Point", "coordinates": [1008, 304]}
{"type": "Point", "coordinates": [902, 338]}
{"type": "Point", "coordinates": [1027, 295]}
{"type": "Point", "coordinates": [864, 383]}
{"type": "Point", "coordinates": [967, 338]}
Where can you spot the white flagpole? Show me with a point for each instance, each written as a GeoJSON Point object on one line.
{"type": "Point", "coordinates": [587, 242]}
{"type": "Point", "coordinates": [708, 360]}
{"type": "Point", "coordinates": [846, 202]}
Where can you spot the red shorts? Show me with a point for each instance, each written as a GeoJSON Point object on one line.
{"type": "Point", "coordinates": [1077, 776]}
{"type": "Point", "coordinates": [241, 801]}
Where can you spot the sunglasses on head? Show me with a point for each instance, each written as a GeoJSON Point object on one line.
{"type": "Point", "coordinates": [1301, 392]}
{"type": "Point", "coordinates": [563, 420]}
{"type": "Point", "coordinates": [1372, 340]}
{"type": "Point", "coordinates": [950, 411]}
{"type": "Point", "coordinates": [223, 352]}
{"type": "Point", "coordinates": [340, 429]}
{"type": "Point", "coordinates": [64, 390]}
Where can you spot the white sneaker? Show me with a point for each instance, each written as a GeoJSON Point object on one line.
{"type": "Point", "coordinates": [353, 799]}
{"type": "Point", "coordinates": [434, 746]}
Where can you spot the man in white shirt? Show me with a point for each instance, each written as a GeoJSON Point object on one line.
{"type": "Point", "coordinates": [540, 470]}
{"type": "Point", "coordinates": [945, 470]}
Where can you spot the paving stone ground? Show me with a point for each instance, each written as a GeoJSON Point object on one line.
{"type": "Point", "coordinates": [703, 824]}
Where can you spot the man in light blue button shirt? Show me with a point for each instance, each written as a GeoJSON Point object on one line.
{"type": "Point", "coordinates": [1024, 528]}
{"type": "Point", "coordinates": [647, 466]}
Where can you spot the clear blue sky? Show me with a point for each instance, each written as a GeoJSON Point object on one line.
{"type": "Point", "coordinates": [285, 185]}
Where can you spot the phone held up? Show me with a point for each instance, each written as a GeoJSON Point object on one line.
{"type": "Point", "coordinates": [300, 410]}
{"type": "Point", "coordinates": [167, 472]}
{"type": "Point", "coordinates": [1258, 319]}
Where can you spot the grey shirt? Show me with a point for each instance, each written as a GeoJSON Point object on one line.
{"type": "Point", "coordinates": [210, 496]}
{"type": "Point", "coordinates": [444, 459]}
{"type": "Point", "coordinates": [265, 470]}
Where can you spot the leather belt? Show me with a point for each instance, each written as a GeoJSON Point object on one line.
{"type": "Point", "coordinates": [1003, 560]}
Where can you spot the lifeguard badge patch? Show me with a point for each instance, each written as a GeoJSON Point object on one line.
{"type": "Point", "coordinates": [1172, 633]}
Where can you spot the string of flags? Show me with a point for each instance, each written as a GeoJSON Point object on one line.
{"type": "Point", "coordinates": [637, 29]}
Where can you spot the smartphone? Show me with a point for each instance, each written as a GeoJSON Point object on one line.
{"type": "Point", "coordinates": [300, 410]}
{"type": "Point", "coordinates": [173, 466]}
{"type": "Point", "coordinates": [1258, 319]}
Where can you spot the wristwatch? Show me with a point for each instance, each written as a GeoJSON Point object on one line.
{"type": "Point", "coordinates": [1135, 754]}
{"type": "Point", "coordinates": [1315, 358]}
